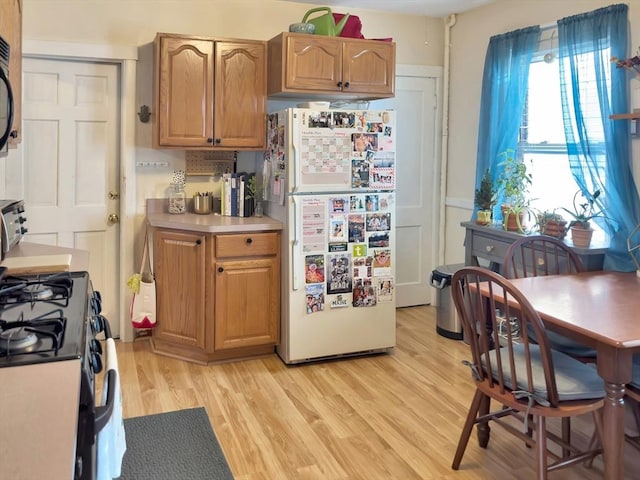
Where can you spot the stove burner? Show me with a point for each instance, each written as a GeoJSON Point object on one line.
{"type": "Point", "coordinates": [35, 292]}
{"type": "Point", "coordinates": [52, 288]}
{"type": "Point", "coordinates": [17, 339]}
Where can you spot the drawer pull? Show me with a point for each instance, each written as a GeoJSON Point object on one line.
{"type": "Point", "coordinates": [220, 269]}
{"type": "Point", "coordinates": [249, 241]}
{"type": "Point", "coordinates": [198, 242]}
{"type": "Point", "coordinates": [489, 248]}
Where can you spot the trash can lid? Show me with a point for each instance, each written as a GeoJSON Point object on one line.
{"type": "Point", "coordinates": [448, 270]}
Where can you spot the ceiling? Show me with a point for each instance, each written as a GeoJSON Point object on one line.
{"type": "Point", "coordinates": [432, 8]}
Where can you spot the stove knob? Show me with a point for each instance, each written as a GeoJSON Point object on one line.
{"type": "Point", "coordinates": [22, 219]}
{"type": "Point", "coordinates": [97, 301]}
{"type": "Point", "coordinates": [97, 324]}
{"type": "Point", "coordinates": [95, 346]}
{"type": "Point", "coordinates": [96, 362]}
{"type": "Point", "coordinates": [23, 230]}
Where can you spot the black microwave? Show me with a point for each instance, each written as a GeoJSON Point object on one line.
{"type": "Point", "coordinates": [6, 99]}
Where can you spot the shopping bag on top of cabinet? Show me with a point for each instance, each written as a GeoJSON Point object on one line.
{"type": "Point", "coordinates": [143, 285]}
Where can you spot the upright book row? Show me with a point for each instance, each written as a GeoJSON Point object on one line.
{"type": "Point", "coordinates": [236, 200]}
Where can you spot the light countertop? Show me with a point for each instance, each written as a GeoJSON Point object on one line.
{"type": "Point", "coordinates": [79, 258]}
{"type": "Point", "coordinates": [157, 216]}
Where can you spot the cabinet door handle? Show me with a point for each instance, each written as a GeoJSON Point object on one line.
{"type": "Point", "coordinates": [249, 241]}
{"type": "Point", "coordinates": [340, 84]}
{"type": "Point", "coordinates": [489, 248]}
{"type": "Point", "coordinates": [218, 141]}
{"type": "Point", "coordinates": [209, 140]}
{"type": "Point", "coordinates": [346, 84]}
{"type": "Point", "coordinates": [220, 269]}
{"type": "Point", "coordinates": [198, 242]}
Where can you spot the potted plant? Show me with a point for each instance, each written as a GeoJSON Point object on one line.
{"type": "Point", "coordinates": [584, 210]}
{"type": "Point", "coordinates": [551, 223]}
{"type": "Point", "coordinates": [514, 182]}
{"type": "Point", "coordinates": [254, 189]}
{"type": "Point", "coordinates": [485, 199]}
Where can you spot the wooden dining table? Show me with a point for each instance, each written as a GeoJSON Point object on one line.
{"type": "Point", "coordinates": [602, 310]}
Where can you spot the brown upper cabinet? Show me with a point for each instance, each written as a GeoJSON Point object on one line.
{"type": "Point", "coordinates": [302, 65]}
{"type": "Point", "coordinates": [209, 93]}
{"type": "Point", "coordinates": [11, 31]}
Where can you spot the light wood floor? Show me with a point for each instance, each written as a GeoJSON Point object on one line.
{"type": "Point", "coordinates": [391, 416]}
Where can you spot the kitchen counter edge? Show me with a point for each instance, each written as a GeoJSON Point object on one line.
{"type": "Point", "coordinates": [212, 223]}
{"type": "Point", "coordinates": [79, 258]}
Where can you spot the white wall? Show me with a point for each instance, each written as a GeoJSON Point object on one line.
{"type": "Point", "coordinates": [469, 40]}
{"type": "Point", "coordinates": [136, 22]}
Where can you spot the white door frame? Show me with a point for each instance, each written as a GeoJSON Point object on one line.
{"type": "Point", "coordinates": [126, 57]}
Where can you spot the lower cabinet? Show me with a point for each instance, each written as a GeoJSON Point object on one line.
{"type": "Point", "coordinates": [218, 296]}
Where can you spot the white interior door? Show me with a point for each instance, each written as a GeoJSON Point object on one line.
{"type": "Point", "coordinates": [417, 181]}
{"type": "Point", "coordinates": [71, 164]}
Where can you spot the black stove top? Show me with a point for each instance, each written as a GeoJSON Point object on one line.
{"type": "Point", "coordinates": [43, 318]}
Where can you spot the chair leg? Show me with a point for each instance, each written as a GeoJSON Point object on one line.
{"type": "Point", "coordinates": [541, 448]}
{"type": "Point", "coordinates": [484, 430]}
{"type": "Point", "coordinates": [468, 427]}
{"type": "Point", "coordinates": [566, 435]}
{"type": "Point", "coordinates": [596, 439]}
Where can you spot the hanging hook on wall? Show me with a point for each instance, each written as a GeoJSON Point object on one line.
{"type": "Point", "coordinates": [144, 114]}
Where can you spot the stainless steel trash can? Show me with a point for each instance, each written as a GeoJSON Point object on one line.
{"type": "Point", "coordinates": [447, 322]}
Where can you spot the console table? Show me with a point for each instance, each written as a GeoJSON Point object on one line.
{"type": "Point", "coordinates": [491, 243]}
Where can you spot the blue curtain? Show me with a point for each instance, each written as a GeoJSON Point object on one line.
{"type": "Point", "coordinates": [504, 92]}
{"type": "Point", "coordinates": [592, 88]}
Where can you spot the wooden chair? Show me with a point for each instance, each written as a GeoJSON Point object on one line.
{"type": "Point", "coordinates": [529, 381]}
{"type": "Point", "coordinates": [539, 255]}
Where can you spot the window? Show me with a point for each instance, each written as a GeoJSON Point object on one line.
{"type": "Point", "coordinates": [542, 142]}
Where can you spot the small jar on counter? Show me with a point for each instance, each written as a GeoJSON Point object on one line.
{"type": "Point", "coordinates": [177, 198]}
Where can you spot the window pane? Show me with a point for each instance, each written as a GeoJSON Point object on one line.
{"type": "Point", "coordinates": [544, 106]}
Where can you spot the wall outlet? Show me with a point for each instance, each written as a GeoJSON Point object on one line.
{"type": "Point", "coordinates": [152, 164]}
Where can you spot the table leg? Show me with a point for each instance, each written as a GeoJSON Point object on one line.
{"type": "Point", "coordinates": [613, 441]}
{"type": "Point", "coordinates": [614, 366]}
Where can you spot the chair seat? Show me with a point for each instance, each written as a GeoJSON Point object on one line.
{"type": "Point", "coordinates": [575, 380]}
{"type": "Point", "coordinates": [567, 345]}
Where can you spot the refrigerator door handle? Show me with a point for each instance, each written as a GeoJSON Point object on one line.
{"type": "Point", "coordinates": [294, 245]}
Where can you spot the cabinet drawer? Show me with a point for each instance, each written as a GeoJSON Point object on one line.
{"type": "Point", "coordinates": [489, 248]}
{"type": "Point", "coordinates": [246, 245]}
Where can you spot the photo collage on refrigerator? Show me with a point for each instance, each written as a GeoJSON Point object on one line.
{"type": "Point", "coordinates": [346, 236]}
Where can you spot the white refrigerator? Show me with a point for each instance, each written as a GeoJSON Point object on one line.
{"type": "Point", "coordinates": [329, 177]}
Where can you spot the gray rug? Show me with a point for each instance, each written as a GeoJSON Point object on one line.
{"type": "Point", "coordinates": [173, 446]}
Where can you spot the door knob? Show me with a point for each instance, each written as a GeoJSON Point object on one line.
{"type": "Point", "coordinates": [114, 195]}
{"type": "Point", "coordinates": [113, 218]}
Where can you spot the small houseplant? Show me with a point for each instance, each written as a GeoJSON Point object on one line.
{"type": "Point", "coordinates": [485, 199]}
{"type": "Point", "coordinates": [513, 183]}
{"type": "Point", "coordinates": [584, 210]}
{"type": "Point", "coordinates": [551, 223]}
{"type": "Point", "coordinates": [254, 187]}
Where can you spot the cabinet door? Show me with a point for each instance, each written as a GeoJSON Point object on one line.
{"type": "Point", "coordinates": [11, 31]}
{"type": "Point", "coordinates": [369, 67]}
{"type": "Point", "coordinates": [179, 259]}
{"type": "Point", "coordinates": [247, 305]}
{"type": "Point", "coordinates": [313, 63]}
{"type": "Point", "coordinates": [240, 95]}
{"type": "Point", "coordinates": [184, 92]}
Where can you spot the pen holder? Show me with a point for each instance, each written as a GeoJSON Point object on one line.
{"type": "Point", "coordinates": [202, 204]}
